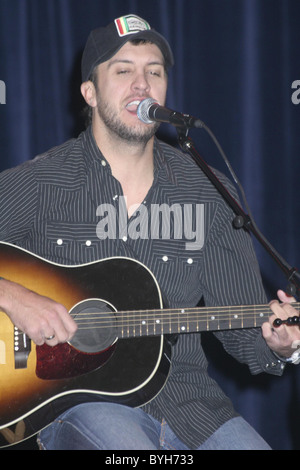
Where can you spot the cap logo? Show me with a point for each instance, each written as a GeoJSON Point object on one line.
{"type": "Point", "coordinates": [130, 24]}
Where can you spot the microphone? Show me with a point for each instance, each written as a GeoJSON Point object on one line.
{"type": "Point", "coordinates": [150, 111]}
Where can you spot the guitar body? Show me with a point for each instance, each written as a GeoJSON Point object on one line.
{"type": "Point", "coordinates": [37, 383]}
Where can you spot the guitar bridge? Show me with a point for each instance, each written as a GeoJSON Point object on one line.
{"type": "Point", "coordinates": [22, 348]}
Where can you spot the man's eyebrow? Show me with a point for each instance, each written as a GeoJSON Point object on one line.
{"type": "Point", "coordinates": [127, 61]}
{"type": "Point", "coordinates": [118, 61]}
{"type": "Point", "coordinates": [156, 62]}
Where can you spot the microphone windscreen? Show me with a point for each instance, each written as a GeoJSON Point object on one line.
{"type": "Point", "coordinates": [143, 108]}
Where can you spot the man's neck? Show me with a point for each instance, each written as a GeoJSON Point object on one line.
{"type": "Point", "coordinates": [131, 164]}
{"type": "Point", "coordinates": [125, 157]}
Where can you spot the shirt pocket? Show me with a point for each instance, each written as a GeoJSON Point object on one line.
{"type": "Point", "coordinates": [70, 243]}
{"type": "Point", "coordinates": [178, 274]}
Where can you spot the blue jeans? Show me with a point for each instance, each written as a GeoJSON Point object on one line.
{"type": "Point", "coordinates": [108, 426]}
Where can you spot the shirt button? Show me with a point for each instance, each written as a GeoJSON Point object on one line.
{"type": "Point", "coordinates": [165, 258]}
{"type": "Point", "coordinates": [59, 241]}
{"type": "Point", "coordinates": [124, 239]}
{"type": "Point", "coordinates": [88, 243]}
{"type": "Point", "coordinates": [103, 162]}
{"type": "Point", "coordinates": [190, 261]}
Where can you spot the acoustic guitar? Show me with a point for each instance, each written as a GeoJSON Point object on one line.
{"type": "Point", "coordinates": [121, 351]}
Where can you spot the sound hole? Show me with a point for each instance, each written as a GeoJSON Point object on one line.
{"type": "Point", "coordinates": [97, 328]}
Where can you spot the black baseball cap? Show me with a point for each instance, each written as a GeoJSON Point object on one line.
{"type": "Point", "coordinates": [103, 43]}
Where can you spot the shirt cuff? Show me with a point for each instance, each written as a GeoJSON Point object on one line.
{"type": "Point", "coordinates": [269, 362]}
{"type": "Point", "coordinates": [294, 359]}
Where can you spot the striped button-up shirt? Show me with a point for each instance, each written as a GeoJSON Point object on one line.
{"type": "Point", "coordinates": [67, 207]}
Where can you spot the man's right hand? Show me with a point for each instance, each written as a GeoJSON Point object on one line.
{"type": "Point", "coordinates": [42, 319]}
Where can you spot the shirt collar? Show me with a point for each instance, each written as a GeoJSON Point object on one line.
{"type": "Point", "coordinates": [162, 167]}
{"type": "Point", "coordinates": [162, 164]}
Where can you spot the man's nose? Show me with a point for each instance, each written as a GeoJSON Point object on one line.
{"type": "Point", "coordinates": [141, 82]}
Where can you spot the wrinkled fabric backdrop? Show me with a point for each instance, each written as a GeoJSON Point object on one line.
{"type": "Point", "coordinates": [237, 62]}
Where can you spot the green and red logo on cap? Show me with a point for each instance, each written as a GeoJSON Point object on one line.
{"type": "Point", "coordinates": [130, 24]}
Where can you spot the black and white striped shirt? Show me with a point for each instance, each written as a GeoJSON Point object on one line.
{"type": "Point", "coordinates": [50, 206]}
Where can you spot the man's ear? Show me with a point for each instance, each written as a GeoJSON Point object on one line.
{"type": "Point", "coordinates": [88, 92]}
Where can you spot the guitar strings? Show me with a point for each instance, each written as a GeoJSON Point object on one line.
{"type": "Point", "coordinates": [173, 316]}
{"type": "Point", "coordinates": [175, 312]}
{"type": "Point", "coordinates": [201, 311]}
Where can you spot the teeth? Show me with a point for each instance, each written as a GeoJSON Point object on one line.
{"type": "Point", "coordinates": [133, 103]}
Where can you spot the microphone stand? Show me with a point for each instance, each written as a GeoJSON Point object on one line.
{"type": "Point", "coordinates": [242, 219]}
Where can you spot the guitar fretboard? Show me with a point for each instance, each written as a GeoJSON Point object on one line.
{"type": "Point", "coordinates": [138, 323]}
{"type": "Point", "coordinates": [157, 322]}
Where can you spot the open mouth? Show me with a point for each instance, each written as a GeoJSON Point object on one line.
{"type": "Point", "coordinates": [133, 106]}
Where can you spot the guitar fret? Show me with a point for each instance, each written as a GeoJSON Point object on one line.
{"type": "Point", "coordinates": [144, 327]}
{"type": "Point", "coordinates": [157, 324]}
{"type": "Point", "coordinates": [260, 318]}
{"type": "Point", "coordinates": [170, 324]}
{"type": "Point", "coordinates": [235, 320]}
{"type": "Point", "coordinates": [182, 323]}
{"type": "Point", "coordinates": [191, 321]}
{"type": "Point", "coordinates": [223, 322]}
{"type": "Point", "coordinates": [213, 323]}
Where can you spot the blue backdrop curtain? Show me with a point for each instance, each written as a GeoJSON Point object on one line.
{"type": "Point", "coordinates": [236, 61]}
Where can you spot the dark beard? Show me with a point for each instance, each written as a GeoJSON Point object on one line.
{"type": "Point", "coordinates": [135, 135]}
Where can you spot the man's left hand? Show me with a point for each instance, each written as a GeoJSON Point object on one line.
{"type": "Point", "coordinates": [284, 340]}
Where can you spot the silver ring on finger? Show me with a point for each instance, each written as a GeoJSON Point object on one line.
{"type": "Point", "coordinates": [48, 338]}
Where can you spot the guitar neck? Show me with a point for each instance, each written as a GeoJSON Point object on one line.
{"type": "Point", "coordinates": [188, 320]}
